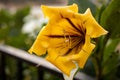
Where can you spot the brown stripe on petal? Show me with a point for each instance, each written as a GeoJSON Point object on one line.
{"type": "Point", "coordinates": [72, 24]}
{"type": "Point", "coordinates": [69, 50]}
{"type": "Point", "coordinates": [61, 36]}
{"type": "Point", "coordinates": [80, 29]}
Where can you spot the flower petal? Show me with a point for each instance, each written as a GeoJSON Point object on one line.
{"type": "Point", "coordinates": [60, 62]}
{"type": "Point", "coordinates": [92, 27]}
{"type": "Point", "coordinates": [54, 11]}
{"type": "Point", "coordinates": [72, 73]}
{"type": "Point", "coordinates": [41, 43]}
{"type": "Point", "coordinates": [85, 52]}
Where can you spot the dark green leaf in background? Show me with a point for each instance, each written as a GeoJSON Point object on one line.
{"type": "Point", "coordinates": [110, 19]}
{"type": "Point", "coordinates": [110, 49]}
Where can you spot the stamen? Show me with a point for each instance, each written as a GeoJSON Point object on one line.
{"type": "Point", "coordinates": [69, 41]}
{"type": "Point", "coordinates": [65, 39]}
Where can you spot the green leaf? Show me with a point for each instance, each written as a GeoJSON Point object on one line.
{"type": "Point", "coordinates": [110, 59]}
{"type": "Point", "coordinates": [110, 19]}
{"type": "Point", "coordinates": [110, 68]}
{"type": "Point", "coordinates": [110, 49]}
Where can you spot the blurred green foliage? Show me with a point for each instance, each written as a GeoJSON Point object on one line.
{"type": "Point", "coordinates": [10, 28]}
{"type": "Point", "coordinates": [111, 18]}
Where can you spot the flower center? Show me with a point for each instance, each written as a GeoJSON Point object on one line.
{"type": "Point", "coordinates": [71, 40]}
{"type": "Point", "coordinates": [75, 42]}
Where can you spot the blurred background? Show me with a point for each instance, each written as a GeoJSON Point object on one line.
{"type": "Point", "coordinates": [21, 20]}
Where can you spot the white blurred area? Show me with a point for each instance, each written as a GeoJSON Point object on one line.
{"type": "Point", "coordinates": [34, 21]}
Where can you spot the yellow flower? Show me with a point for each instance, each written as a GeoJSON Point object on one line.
{"type": "Point", "coordinates": [67, 37]}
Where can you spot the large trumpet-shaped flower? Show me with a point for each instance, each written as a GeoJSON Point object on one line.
{"type": "Point", "coordinates": [67, 37]}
